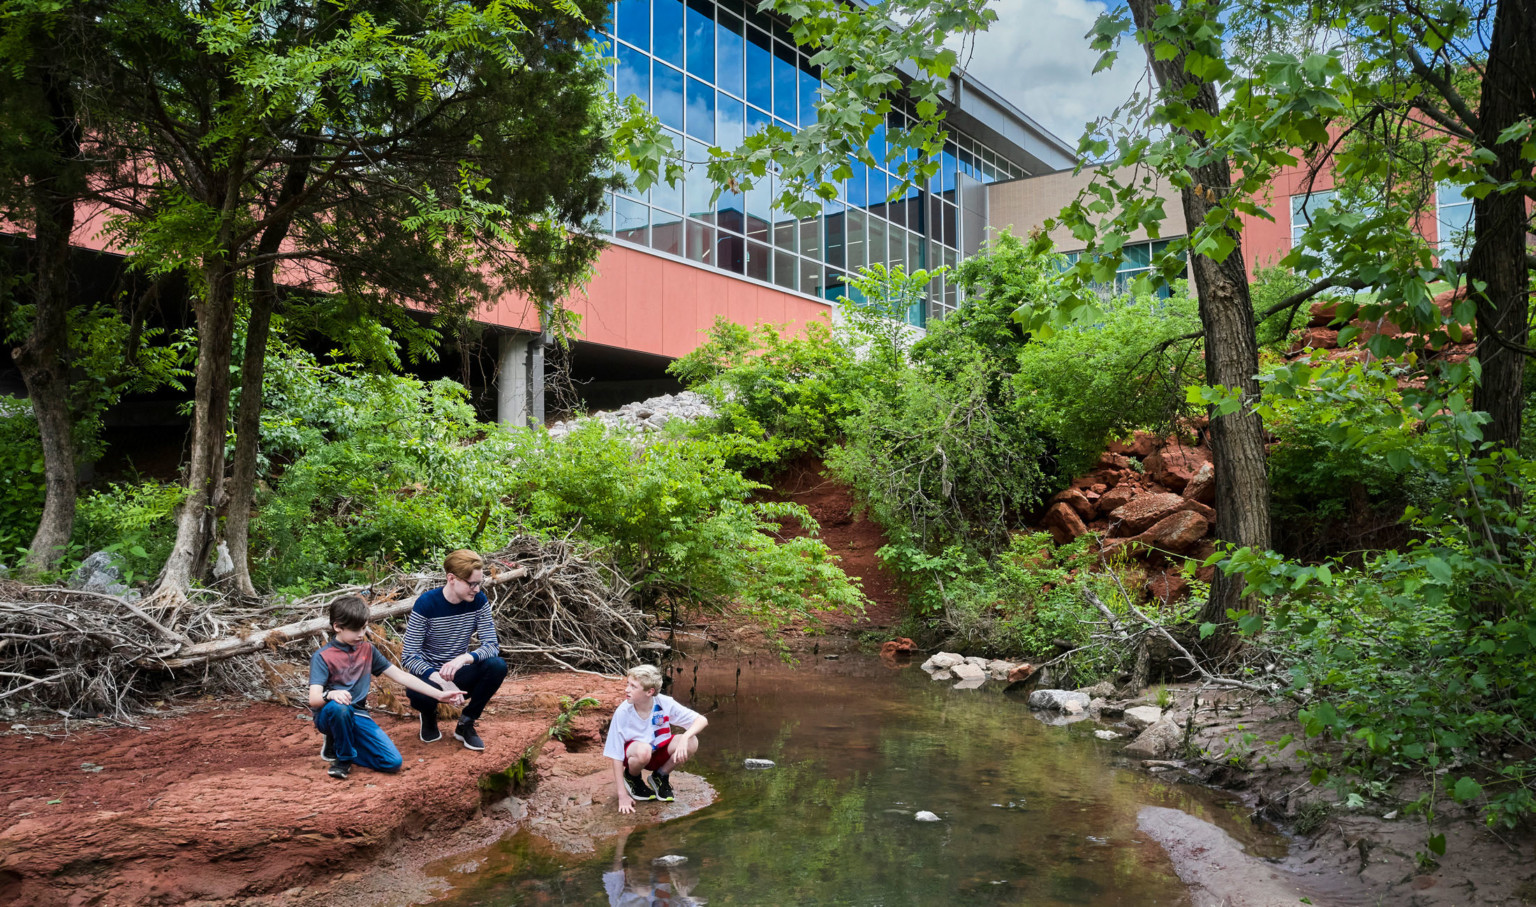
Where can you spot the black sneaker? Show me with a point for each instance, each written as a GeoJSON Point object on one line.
{"type": "Point", "coordinates": [464, 732]}
{"type": "Point", "coordinates": [328, 749]}
{"type": "Point", "coordinates": [339, 770]}
{"type": "Point", "coordinates": [638, 789]}
{"type": "Point", "coordinates": [663, 785]}
{"type": "Point", "coordinates": [429, 731]}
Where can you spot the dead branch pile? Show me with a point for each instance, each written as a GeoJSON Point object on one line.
{"type": "Point", "coordinates": [81, 653]}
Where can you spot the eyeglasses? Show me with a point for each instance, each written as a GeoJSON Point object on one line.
{"type": "Point", "coordinates": [471, 585]}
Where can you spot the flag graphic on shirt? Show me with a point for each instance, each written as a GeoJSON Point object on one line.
{"type": "Point", "coordinates": [661, 727]}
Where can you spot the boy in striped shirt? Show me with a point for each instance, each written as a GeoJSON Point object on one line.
{"type": "Point", "coordinates": [652, 732]}
{"type": "Point", "coordinates": [437, 637]}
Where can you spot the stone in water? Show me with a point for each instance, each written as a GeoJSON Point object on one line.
{"type": "Point", "coordinates": [670, 859]}
{"type": "Point", "coordinates": [926, 816]}
{"type": "Point", "coordinates": [759, 763]}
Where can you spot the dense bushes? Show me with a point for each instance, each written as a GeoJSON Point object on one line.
{"type": "Point", "coordinates": [22, 484]}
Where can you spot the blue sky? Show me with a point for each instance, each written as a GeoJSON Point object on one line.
{"type": "Point", "coordinates": [1035, 55]}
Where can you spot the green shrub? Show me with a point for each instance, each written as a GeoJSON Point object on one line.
{"type": "Point", "coordinates": [134, 520]}
{"type": "Point", "coordinates": [777, 397]}
{"type": "Point", "coordinates": [22, 480]}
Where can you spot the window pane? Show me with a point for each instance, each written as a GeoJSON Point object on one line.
{"type": "Point", "coordinates": [757, 121]}
{"type": "Point", "coordinates": [876, 253]}
{"type": "Point", "coordinates": [667, 96]}
{"type": "Point", "coordinates": [667, 234]}
{"type": "Point", "coordinates": [667, 31]}
{"type": "Point", "coordinates": [786, 270]}
{"type": "Point", "coordinates": [758, 260]}
{"type": "Point", "coordinates": [701, 39]}
{"type": "Point", "coordinates": [759, 209]}
{"type": "Point", "coordinates": [810, 277]}
{"type": "Point", "coordinates": [664, 195]}
{"type": "Point", "coordinates": [857, 239]}
{"type": "Point", "coordinates": [810, 237]}
{"type": "Point", "coordinates": [836, 238]}
{"type": "Point", "coordinates": [732, 122]}
{"type": "Point", "coordinates": [634, 74]}
{"type": "Point", "coordinates": [877, 143]}
{"type": "Point", "coordinates": [698, 190]}
{"type": "Point", "coordinates": [701, 111]}
{"type": "Point", "coordinates": [951, 235]}
{"type": "Point", "coordinates": [730, 217]}
{"type": "Point", "coordinates": [730, 54]}
{"type": "Point", "coordinates": [916, 260]}
{"type": "Point", "coordinates": [759, 69]}
{"type": "Point", "coordinates": [784, 82]}
{"type": "Point", "coordinates": [858, 185]}
{"type": "Point", "coordinates": [810, 87]}
{"type": "Point", "coordinates": [785, 231]}
{"type": "Point", "coordinates": [701, 243]}
{"type": "Point", "coordinates": [631, 221]}
{"type": "Point", "coordinates": [634, 23]}
{"type": "Point", "coordinates": [731, 253]}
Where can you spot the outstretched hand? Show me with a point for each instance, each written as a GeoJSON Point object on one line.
{"type": "Point", "coordinates": [454, 698]}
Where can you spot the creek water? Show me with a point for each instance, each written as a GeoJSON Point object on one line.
{"type": "Point", "coordinates": [1029, 814]}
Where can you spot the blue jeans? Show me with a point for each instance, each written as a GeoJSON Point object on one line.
{"type": "Point", "coordinates": [357, 738]}
{"type": "Point", "coordinates": [479, 681]}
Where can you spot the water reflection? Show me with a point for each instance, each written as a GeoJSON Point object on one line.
{"type": "Point", "coordinates": [1028, 814]}
{"type": "Point", "coordinates": [668, 880]}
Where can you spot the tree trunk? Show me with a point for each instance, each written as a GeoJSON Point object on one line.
{"type": "Point", "coordinates": [242, 480]}
{"type": "Point", "coordinates": [197, 517]}
{"type": "Point", "coordinates": [1499, 251]}
{"type": "Point", "coordinates": [43, 358]}
{"type": "Point", "coordinates": [1231, 348]}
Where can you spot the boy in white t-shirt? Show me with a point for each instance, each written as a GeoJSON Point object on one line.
{"type": "Point", "coordinates": [641, 737]}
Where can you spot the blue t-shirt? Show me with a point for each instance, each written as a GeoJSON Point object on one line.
{"type": "Point", "coordinates": [338, 666]}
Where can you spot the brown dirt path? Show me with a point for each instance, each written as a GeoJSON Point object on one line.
{"type": "Point", "coordinates": [231, 800]}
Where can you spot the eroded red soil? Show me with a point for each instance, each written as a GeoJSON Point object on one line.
{"type": "Point", "coordinates": [231, 800]}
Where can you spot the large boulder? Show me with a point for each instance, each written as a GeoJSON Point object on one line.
{"type": "Point", "coordinates": [1176, 532]}
{"type": "Point", "coordinates": [1168, 587]}
{"type": "Point", "coordinates": [1174, 465]}
{"type": "Point", "coordinates": [1063, 523]}
{"type": "Point", "coordinates": [1144, 511]}
{"type": "Point", "coordinates": [1115, 498]}
{"type": "Point", "coordinates": [1074, 498]}
{"type": "Point", "coordinates": [102, 573]}
{"type": "Point", "coordinates": [1157, 741]}
{"type": "Point", "coordinates": [1202, 485]}
{"type": "Point", "coordinates": [1143, 716]}
{"type": "Point", "coordinates": [1058, 700]}
{"type": "Point", "coordinates": [942, 660]}
{"type": "Point", "coordinates": [968, 671]}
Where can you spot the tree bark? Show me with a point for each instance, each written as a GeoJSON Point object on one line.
{"type": "Point", "coordinates": [1231, 347]}
{"type": "Point", "coordinates": [1500, 222]}
{"type": "Point", "coordinates": [43, 358]}
{"type": "Point", "coordinates": [197, 517]}
{"type": "Point", "coordinates": [242, 480]}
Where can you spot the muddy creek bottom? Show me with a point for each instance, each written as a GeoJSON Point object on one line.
{"type": "Point", "coordinates": [1028, 814]}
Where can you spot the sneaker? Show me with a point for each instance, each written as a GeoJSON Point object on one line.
{"type": "Point", "coordinates": [429, 731]}
{"type": "Point", "coordinates": [663, 785]}
{"type": "Point", "coordinates": [638, 789]}
{"type": "Point", "coordinates": [339, 770]}
{"type": "Point", "coordinates": [464, 732]}
{"type": "Point", "coordinates": [328, 749]}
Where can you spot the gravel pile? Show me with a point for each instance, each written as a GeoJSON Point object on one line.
{"type": "Point", "coordinates": [645, 416]}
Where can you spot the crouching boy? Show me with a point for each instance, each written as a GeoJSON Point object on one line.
{"type": "Point", "coordinates": [649, 732]}
{"type": "Point", "coordinates": [339, 677]}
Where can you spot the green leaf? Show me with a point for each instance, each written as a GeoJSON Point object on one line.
{"type": "Point", "coordinates": [1206, 629]}
{"type": "Point", "coordinates": [1466, 789]}
{"type": "Point", "coordinates": [1436, 845]}
{"type": "Point", "coordinates": [1440, 570]}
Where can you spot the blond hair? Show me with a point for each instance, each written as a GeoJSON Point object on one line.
{"type": "Point", "coordinates": [463, 563]}
{"type": "Point", "coordinates": [648, 676]}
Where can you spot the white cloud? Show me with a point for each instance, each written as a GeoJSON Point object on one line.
{"type": "Point", "coordinates": [1037, 57]}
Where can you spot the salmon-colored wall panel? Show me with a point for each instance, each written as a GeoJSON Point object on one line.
{"type": "Point", "coordinates": [645, 302]}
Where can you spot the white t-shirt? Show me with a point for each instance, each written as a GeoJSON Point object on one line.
{"type": "Point", "coordinates": [656, 729]}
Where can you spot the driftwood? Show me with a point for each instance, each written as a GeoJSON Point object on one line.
{"type": "Point", "coordinates": [229, 647]}
{"type": "Point", "coordinates": [81, 652]}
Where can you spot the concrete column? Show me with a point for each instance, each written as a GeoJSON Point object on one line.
{"type": "Point", "coordinates": [515, 392]}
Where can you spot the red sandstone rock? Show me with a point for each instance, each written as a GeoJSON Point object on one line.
{"type": "Point", "coordinates": [1115, 498]}
{"type": "Point", "coordinates": [1203, 510]}
{"type": "Point", "coordinates": [1063, 523]}
{"type": "Point", "coordinates": [1202, 485]}
{"type": "Point", "coordinates": [1175, 465]}
{"type": "Point", "coordinates": [1176, 532]}
{"type": "Point", "coordinates": [1099, 488]}
{"type": "Point", "coordinates": [1021, 672]}
{"type": "Point", "coordinates": [1168, 587]}
{"type": "Point", "coordinates": [1317, 338]}
{"type": "Point", "coordinates": [1074, 498]}
{"type": "Point", "coordinates": [1111, 460]}
{"type": "Point", "coordinates": [1143, 511]}
{"type": "Point", "coordinates": [899, 646]}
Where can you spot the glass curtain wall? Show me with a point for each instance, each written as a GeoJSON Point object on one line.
{"type": "Point", "coordinates": [714, 72]}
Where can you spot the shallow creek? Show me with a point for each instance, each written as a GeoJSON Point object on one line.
{"type": "Point", "coordinates": [1030, 814]}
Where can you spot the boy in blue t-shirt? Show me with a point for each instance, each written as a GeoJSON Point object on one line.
{"type": "Point", "coordinates": [339, 677]}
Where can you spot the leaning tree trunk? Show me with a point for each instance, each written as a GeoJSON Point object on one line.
{"type": "Point", "coordinates": [242, 479]}
{"type": "Point", "coordinates": [1231, 348]}
{"type": "Point", "coordinates": [197, 517]}
{"type": "Point", "coordinates": [43, 357]}
{"type": "Point", "coordinates": [1499, 254]}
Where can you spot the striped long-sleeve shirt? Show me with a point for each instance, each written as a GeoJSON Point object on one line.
{"type": "Point", "coordinates": [439, 630]}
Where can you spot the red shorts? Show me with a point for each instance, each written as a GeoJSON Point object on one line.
{"type": "Point", "coordinates": [659, 755]}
